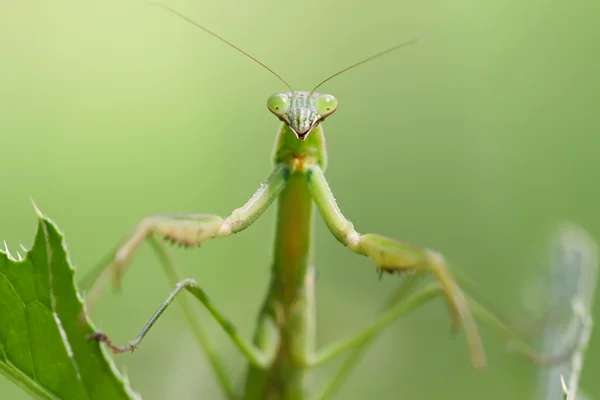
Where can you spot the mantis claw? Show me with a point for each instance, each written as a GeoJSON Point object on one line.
{"type": "Point", "coordinates": [101, 337]}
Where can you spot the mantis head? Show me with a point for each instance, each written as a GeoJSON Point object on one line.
{"type": "Point", "coordinates": [302, 111]}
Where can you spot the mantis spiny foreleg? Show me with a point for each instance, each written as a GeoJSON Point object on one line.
{"type": "Point", "coordinates": [190, 230]}
{"type": "Point", "coordinates": [390, 256]}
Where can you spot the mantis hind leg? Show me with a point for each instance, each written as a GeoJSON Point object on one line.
{"type": "Point", "coordinates": [401, 303]}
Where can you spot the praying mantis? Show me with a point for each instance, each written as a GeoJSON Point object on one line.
{"type": "Point", "coordinates": [283, 349]}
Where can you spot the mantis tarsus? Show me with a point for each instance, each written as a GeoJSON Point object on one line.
{"type": "Point", "coordinates": [283, 347]}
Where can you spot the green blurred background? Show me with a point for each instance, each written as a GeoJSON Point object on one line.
{"type": "Point", "coordinates": [475, 142]}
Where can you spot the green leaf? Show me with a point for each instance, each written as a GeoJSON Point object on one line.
{"type": "Point", "coordinates": [43, 345]}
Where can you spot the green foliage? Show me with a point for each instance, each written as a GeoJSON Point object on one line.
{"type": "Point", "coordinates": [43, 345]}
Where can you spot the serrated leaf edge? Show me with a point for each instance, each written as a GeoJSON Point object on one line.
{"type": "Point", "coordinates": [43, 219]}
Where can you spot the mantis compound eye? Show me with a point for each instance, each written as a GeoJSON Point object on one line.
{"type": "Point", "coordinates": [279, 104]}
{"type": "Point", "coordinates": [325, 104]}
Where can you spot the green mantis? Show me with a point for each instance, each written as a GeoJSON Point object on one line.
{"type": "Point", "coordinates": [283, 350]}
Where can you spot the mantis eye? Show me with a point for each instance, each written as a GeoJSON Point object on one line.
{"type": "Point", "coordinates": [325, 104]}
{"type": "Point", "coordinates": [278, 104]}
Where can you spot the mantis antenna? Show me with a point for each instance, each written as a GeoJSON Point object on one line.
{"type": "Point", "coordinates": [172, 10]}
{"type": "Point", "coordinates": [191, 21]}
{"type": "Point", "coordinates": [410, 42]}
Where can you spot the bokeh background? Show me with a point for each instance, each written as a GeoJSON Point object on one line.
{"type": "Point", "coordinates": [476, 142]}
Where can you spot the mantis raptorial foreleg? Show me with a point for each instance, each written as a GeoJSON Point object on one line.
{"type": "Point", "coordinates": [191, 229]}
{"type": "Point", "coordinates": [258, 357]}
{"type": "Point", "coordinates": [393, 256]}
